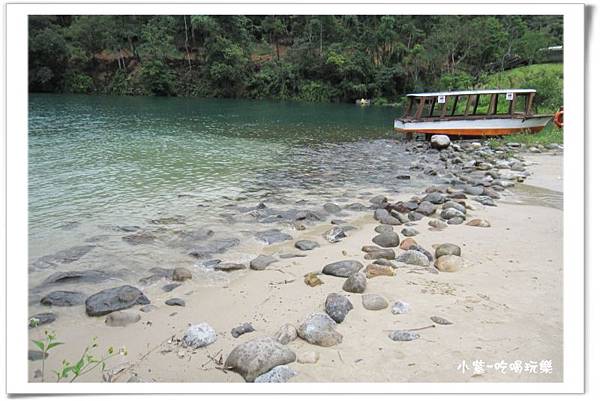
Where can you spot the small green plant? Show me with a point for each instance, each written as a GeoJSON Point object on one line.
{"type": "Point", "coordinates": [86, 363]}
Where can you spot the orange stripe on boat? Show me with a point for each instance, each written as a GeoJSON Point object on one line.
{"type": "Point", "coordinates": [470, 131]}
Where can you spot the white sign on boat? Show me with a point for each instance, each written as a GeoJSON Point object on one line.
{"type": "Point", "coordinates": [509, 96]}
{"type": "Point", "coordinates": [442, 99]}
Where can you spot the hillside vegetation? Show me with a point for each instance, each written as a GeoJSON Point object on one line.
{"type": "Point", "coordinates": [310, 58]}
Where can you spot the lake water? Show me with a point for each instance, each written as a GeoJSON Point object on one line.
{"type": "Point", "coordinates": [97, 163]}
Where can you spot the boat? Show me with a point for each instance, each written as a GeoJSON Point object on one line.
{"type": "Point", "coordinates": [487, 112]}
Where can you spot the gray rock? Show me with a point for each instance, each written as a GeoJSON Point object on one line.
{"type": "Point", "coordinates": [272, 236]}
{"type": "Point", "coordinates": [63, 298]}
{"type": "Point", "coordinates": [242, 329]}
{"type": "Point", "coordinates": [358, 207]}
{"type": "Point", "coordinates": [472, 190]}
{"type": "Point", "coordinates": [261, 262]}
{"type": "Point", "coordinates": [356, 283]}
{"type": "Point", "coordinates": [412, 257]}
{"type": "Point", "coordinates": [121, 318]}
{"type": "Point", "coordinates": [114, 299]}
{"type": "Point", "coordinates": [384, 228]}
{"type": "Point", "coordinates": [440, 320]}
{"type": "Point", "coordinates": [199, 335]}
{"type": "Point", "coordinates": [181, 274]}
{"type": "Point", "coordinates": [440, 142]}
{"type": "Point", "coordinates": [379, 200]}
{"type": "Point", "coordinates": [148, 308]}
{"type": "Point", "coordinates": [319, 329]}
{"type": "Point", "coordinates": [170, 287]}
{"type": "Point", "coordinates": [255, 357]}
{"type": "Point", "coordinates": [41, 319]}
{"type": "Point", "coordinates": [427, 208]}
{"type": "Point", "coordinates": [479, 223]}
{"type": "Point", "coordinates": [409, 232]}
{"type": "Point", "coordinates": [447, 249]}
{"type": "Point", "coordinates": [403, 335]}
{"type": "Point", "coordinates": [450, 213]}
{"type": "Point", "coordinates": [292, 255]}
{"type": "Point", "coordinates": [415, 216]}
{"type": "Point", "coordinates": [436, 198]}
{"type": "Point", "coordinates": [387, 239]}
{"type": "Point", "coordinates": [400, 308]}
{"type": "Point", "coordinates": [344, 268]}
{"type": "Point", "coordinates": [381, 254]}
{"type": "Point", "coordinates": [229, 267]}
{"type": "Point", "coordinates": [485, 200]}
{"type": "Point", "coordinates": [279, 374]}
{"type": "Point", "coordinates": [332, 208]}
{"type": "Point", "coordinates": [175, 302]}
{"type": "Point", "coordinates": [335, 234]}
{"type": "Point", "coordinates": [419, 248]}
{"type": "Point", "coordinates": [374, 302]}
{"type": "Point", "coordinates": [437, 224]}
{"type": "Point", "coordinates": [208, 248]}
{"type": "Point", "coordinates": [286, 334]}
{"type": "Point", "coordinates": [337, 307]}
{"type": "Point", "coordinates": [454, 205]}
{"type": "Point", "coordinates": [306, 245]}
{"type": "Point", "coordinates": [384, 217]}
{"type": "Point", "coordinates": [455, 220]}
{"type": "Point", "coordinates": [449, 263]}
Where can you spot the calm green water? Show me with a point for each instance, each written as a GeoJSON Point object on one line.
{"type": "Point", "coordinates": [96, 162]}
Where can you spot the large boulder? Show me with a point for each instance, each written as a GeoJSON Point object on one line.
{"type": "Point", "coordinates": [319, 329]}
{"type": "Point", "coordinates": [337, 307]}
{"type": "Point", "coordinates": [440, 142]}
{"type": "Point", "coordinates": [343, 268]}
{"type": "Point", "coordinates": [258, 356]}
{"type": "Point", "coordinates": [114, 299]}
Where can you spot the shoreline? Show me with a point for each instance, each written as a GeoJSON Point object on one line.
{"type": "Point", "coordinates": [505, 304]}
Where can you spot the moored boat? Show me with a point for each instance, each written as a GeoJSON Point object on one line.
{"type": "Point", "coordinates": [472, 113]}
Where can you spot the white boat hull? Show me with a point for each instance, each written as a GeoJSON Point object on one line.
{"type": "Point", "coordinates": [465, 127]}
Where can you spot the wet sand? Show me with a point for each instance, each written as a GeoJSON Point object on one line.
{"type": "Point", "coordinates": [505, 305]}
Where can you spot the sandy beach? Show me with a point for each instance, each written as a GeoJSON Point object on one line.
{"type": "Point", "coordinates": [505, 305]}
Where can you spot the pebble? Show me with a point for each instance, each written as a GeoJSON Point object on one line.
{"type": "Point", "coordinates": [242, 329]}
{"type": "Point", "coordinates": [199, 335]}
{"type": "Point", "coordinates": [437, 224]}
{"type": "Point", "coordinates": [337, 307]}
{"type": "Point", "coordinates": [374, 302]}
{"type": "Point", "coordinates": [407, 243]}
{"type": "Point", "coordinates": [286, 334]}
{"type": "Point", "coordinates": [400, 307]}
{"type": "Point", "coordinates": [335, 234]}
{"type": "Point", "coordinates": [312, 279]}
{"type": "Point", "coordinates": [175, 302]}
{"type": "Point", "coordinates": [343, 268]}
{"type": "Point", "coordinates": [403, 335]}
{"type": "Point", "coordinates": [440, 320]}
{"type": "Point", "coordinates": [229, 267]}
{"type": "Point", "coordinates": [319, 329]}
{"type": "Point", "coordinates": [356, 283]}
{"type": "Point", "coordinates": [384, 228]}
{"type": "Point", "coordinates": [412, 257]}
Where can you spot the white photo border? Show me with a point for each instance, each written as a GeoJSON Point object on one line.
{"type": "Point", "coordinates": [17, 202]}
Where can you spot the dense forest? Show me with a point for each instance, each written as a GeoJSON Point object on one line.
{"type": "Point", "coordinates": [311, 58]}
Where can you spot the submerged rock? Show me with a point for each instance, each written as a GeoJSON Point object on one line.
{"type": "Point", "coordinates": [319, 329]}
{"type": "Point", "coordinates": [272, 236]}
{"type": "Point", "coordinates": [76, 276]}
{"type": "Point", "coordinates": [199, 335]}
{"type": "Point", "coordinates": [208, 248]}
{"type": "Point", "coordinates": [65, 256]}
{"type": "Point", "coordinates": [337, 307]}
{"type": "Point", "coordinates": [140, 238]}
{"type": "Point", "coordinates": [114, 299]}
{"type": "Point", "coordinates": [332, 208]}
{"type": "Point", "coordinates": [181, 274]}
{"type": "Point", "coordinates": [343, 268]}
{"type": "Point", "coordinates": [229, 267]}
{"type": "Point", "coordinates": [255, 357]}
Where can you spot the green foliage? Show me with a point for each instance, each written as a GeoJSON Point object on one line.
{"type": "Point", "coordinates": [157, 78]}
{"type": "Point", "coordinates": [76, 82]}
{"type": "Point", "coordinates": [309, 57]}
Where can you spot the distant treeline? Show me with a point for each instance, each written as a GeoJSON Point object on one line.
{"type": "Point", "coordinates": [312, 58]}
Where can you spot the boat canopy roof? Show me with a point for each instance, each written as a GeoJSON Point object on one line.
{"type": "Point", "coordinates": [472, 92]}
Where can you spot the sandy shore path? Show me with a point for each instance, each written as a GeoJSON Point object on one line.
{"type": "Point", "coordinates": [505, 306]}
